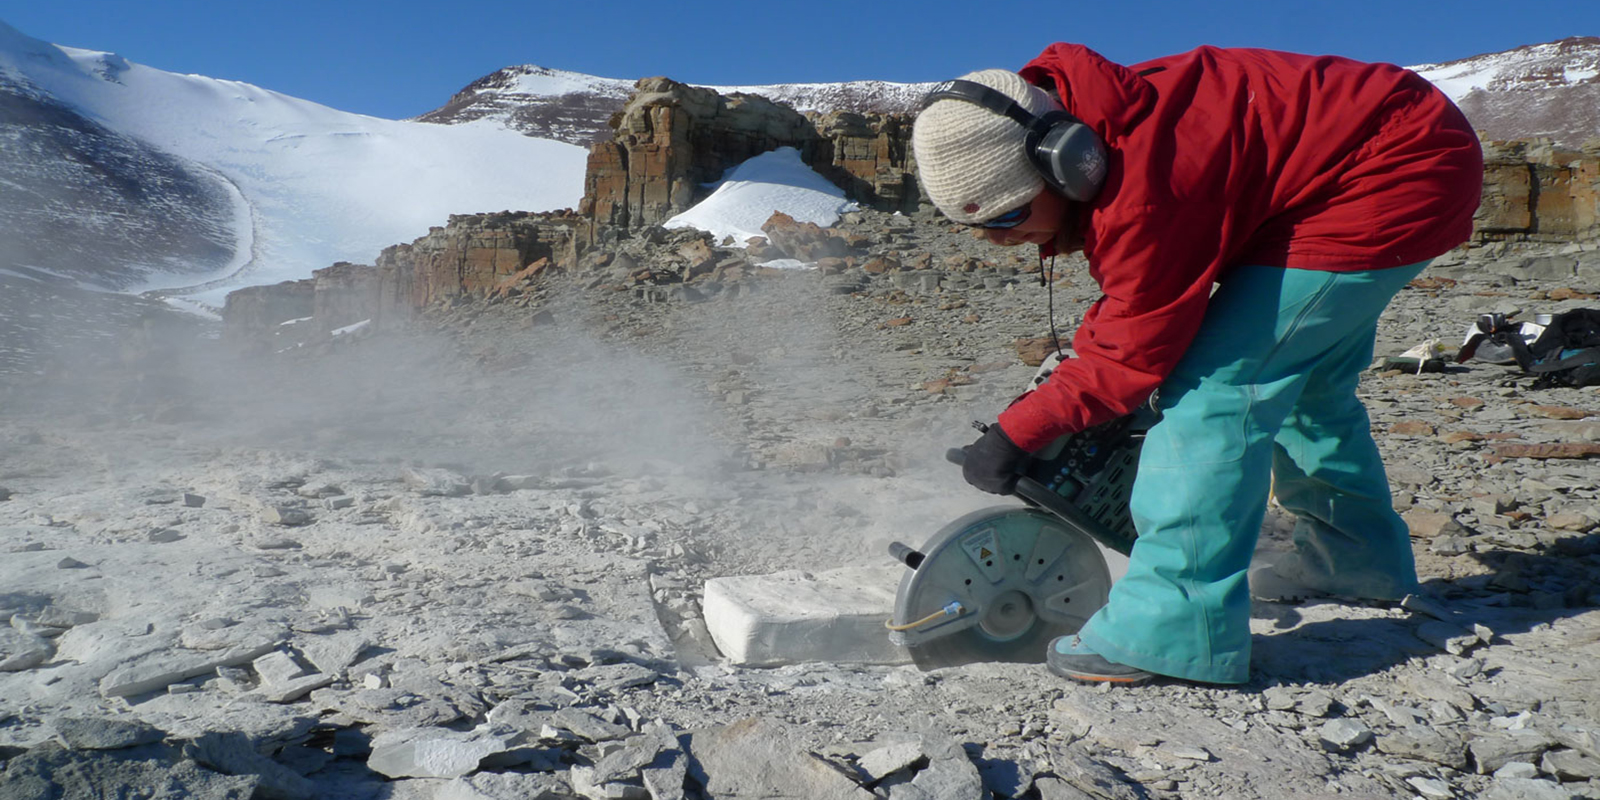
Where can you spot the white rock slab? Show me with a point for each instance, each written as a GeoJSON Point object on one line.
{"type": "Point", "coordinates": [792, 617]}
{"type": "Point", "coordinates": [439, 752]}
{"type": "Point", "coordinates": [157, 673]}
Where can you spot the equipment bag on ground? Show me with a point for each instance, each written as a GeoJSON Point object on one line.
{"type": "Point", "coordinates": [1566, 354]}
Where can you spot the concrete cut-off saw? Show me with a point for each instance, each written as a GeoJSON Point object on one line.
{"type": "Point", "coordinates": [999, 583]}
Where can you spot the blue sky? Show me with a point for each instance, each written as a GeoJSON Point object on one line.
{"type": "Point", "coordinates": [400, 58]}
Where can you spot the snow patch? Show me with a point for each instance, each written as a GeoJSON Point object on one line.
{"type": "Point", "coordinates": [786, 263]}
{"type": "Point", "coordinates": [348, 329]}
{"type": "Point", "coordinates": [190, 307]}
{"type": "Point", "coordinates": [749, 194]}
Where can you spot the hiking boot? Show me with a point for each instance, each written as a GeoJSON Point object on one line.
{"type": "Point", "coordinates": [1069, 657]}
{"type": "Point", "coordinates": [1285, 580]}
{"type": "Point", "coordinates": [1267, 583]}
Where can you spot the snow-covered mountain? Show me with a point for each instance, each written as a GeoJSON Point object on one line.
{"type": "Point", "coordinates": [1548, 89]}
{"type": "Point", "coordinates": [573, 107]}
{"type": "Point", "coordinates": [1539, 90]}
{"type": "Point", "coordinates": [132, 178]}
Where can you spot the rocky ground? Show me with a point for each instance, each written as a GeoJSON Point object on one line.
{"type": "Point", "coordinates": [464, 561]}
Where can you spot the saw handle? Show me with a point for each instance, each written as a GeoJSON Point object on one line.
{"type": "Point", "coordinates": [906, 554]}
{"type": "Point", "coordinates": [1038, 495]}
{"type": "Point", "coordinates": [1028, 488]}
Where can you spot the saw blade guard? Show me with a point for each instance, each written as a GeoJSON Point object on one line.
{"type": "Point", "coordinates": [997, 585]}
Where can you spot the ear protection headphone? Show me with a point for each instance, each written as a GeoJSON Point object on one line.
{"type": "Point", "coordinates": [1066, 153]}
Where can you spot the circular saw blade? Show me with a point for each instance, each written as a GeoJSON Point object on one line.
{"type": "Point", "coordinates": [1022, 577]}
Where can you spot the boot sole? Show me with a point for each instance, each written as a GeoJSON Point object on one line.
{"type": "Point", "coordinates": [1096, 677]}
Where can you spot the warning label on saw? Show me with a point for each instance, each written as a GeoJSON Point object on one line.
{"type": "Point", "coordinates": [983, 547]}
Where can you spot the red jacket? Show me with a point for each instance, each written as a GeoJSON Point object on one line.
{"type": "Point", "coordinates": [1221, 158]}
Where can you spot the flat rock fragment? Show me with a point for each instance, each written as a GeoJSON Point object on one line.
{"type": "Point", "coordinates": [1343, 733]}
{"type": "Point", "coordinates": [1526, 789]}
{"type": "Point", "coordinates": [664, 778]}
{"type": "Point", "coordinates": [150, 674]}
{"type": "Point", "coordinates": [1439, 746]}
{"type": "Point", "coordinates": [505, 786]}
{"type": "Point", "coordinates": [20, 650]}
{"type": "Point", "coordinates": [1091, 776]}
{"type": "Point", "coordinates": [587, 726]}
{"type": "Point", "coordinates": [586, 783]}
{"type": "Point", "coordinates": [334, 653]}
{"type": "Point", "coordinates": [89, 733]}
{"type": "Point", "coordinates": [1491, 751]}
{"type": "Point", "coordinates": [233, 754]}
{"type": "Point", "coordinates": [756, 758]}
{"type": "Point", "coordinates": [881, 762]}
{"type": "Point", "coordinates": [439, 752]}
{"type": "Point", "coordinates": [1447, 636]}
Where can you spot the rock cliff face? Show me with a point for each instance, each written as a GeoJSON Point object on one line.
{"type": "Point", "coordinates": [1536, 192]}
{"type": "Point", "coordinates": [255, 312]}
{"type": "Point", "coordinates": [869, 156]}
{"type": "Point", "coordinates": [473, 255]}
{"type": "Point", "coordinates": [672, 139]}
{"type": "Point", "coordinates": [476, 255]}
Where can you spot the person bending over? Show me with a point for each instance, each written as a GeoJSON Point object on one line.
{"type": "Point", "coordinates": [1247, 214]}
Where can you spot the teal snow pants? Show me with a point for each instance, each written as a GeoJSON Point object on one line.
{"type": "Point", "coordinates": [1267, 389]}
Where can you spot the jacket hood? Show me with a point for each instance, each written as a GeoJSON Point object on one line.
{"type": "Point", "coordinates": [1109, 97]}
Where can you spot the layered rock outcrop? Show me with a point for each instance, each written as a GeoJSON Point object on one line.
{"type": "Point", "coordinates": [672, 140]}
{"type": "Point", "coordinates": [472, 255]}
{"type": "Point", "coordinates": [1534, 191]}
{"type": "Point", "coordinates": [476, 255]}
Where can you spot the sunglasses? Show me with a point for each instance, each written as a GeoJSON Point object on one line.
{"type": "Point", "coordinates": [1010, 219]}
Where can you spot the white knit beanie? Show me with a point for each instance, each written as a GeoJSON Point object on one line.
{"type": "Point", "coordinates": [970, 160]}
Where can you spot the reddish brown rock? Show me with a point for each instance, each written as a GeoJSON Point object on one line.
{"type": "Point", "coordinates": [1557, 450]}
{"type": "Point", "coordinates": [1033, 352]}
{"type": "Point", "coordinates": [520, 279]}
{"type": "Point", "coordinates": [1430, 282]}
{"type": "Point", "coordinates": [1469, 403]}
{"type": "Point", "coordinates": [1411, 428]}
{"type": "Point", "coordinates": [806, 241]}
{"type": "Point", "coordinates": [832, 266]}
{"type": "Point", "coordinates": [943, 385]}
{"type": "Point", "coordinates": [1569, 294]}
{"type": "Point", "coordinates": [1560, 412]}
{"type": "Point", "coordinates": [897, 322]}
{"type": "Point", "coordinates": [699, 257]}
